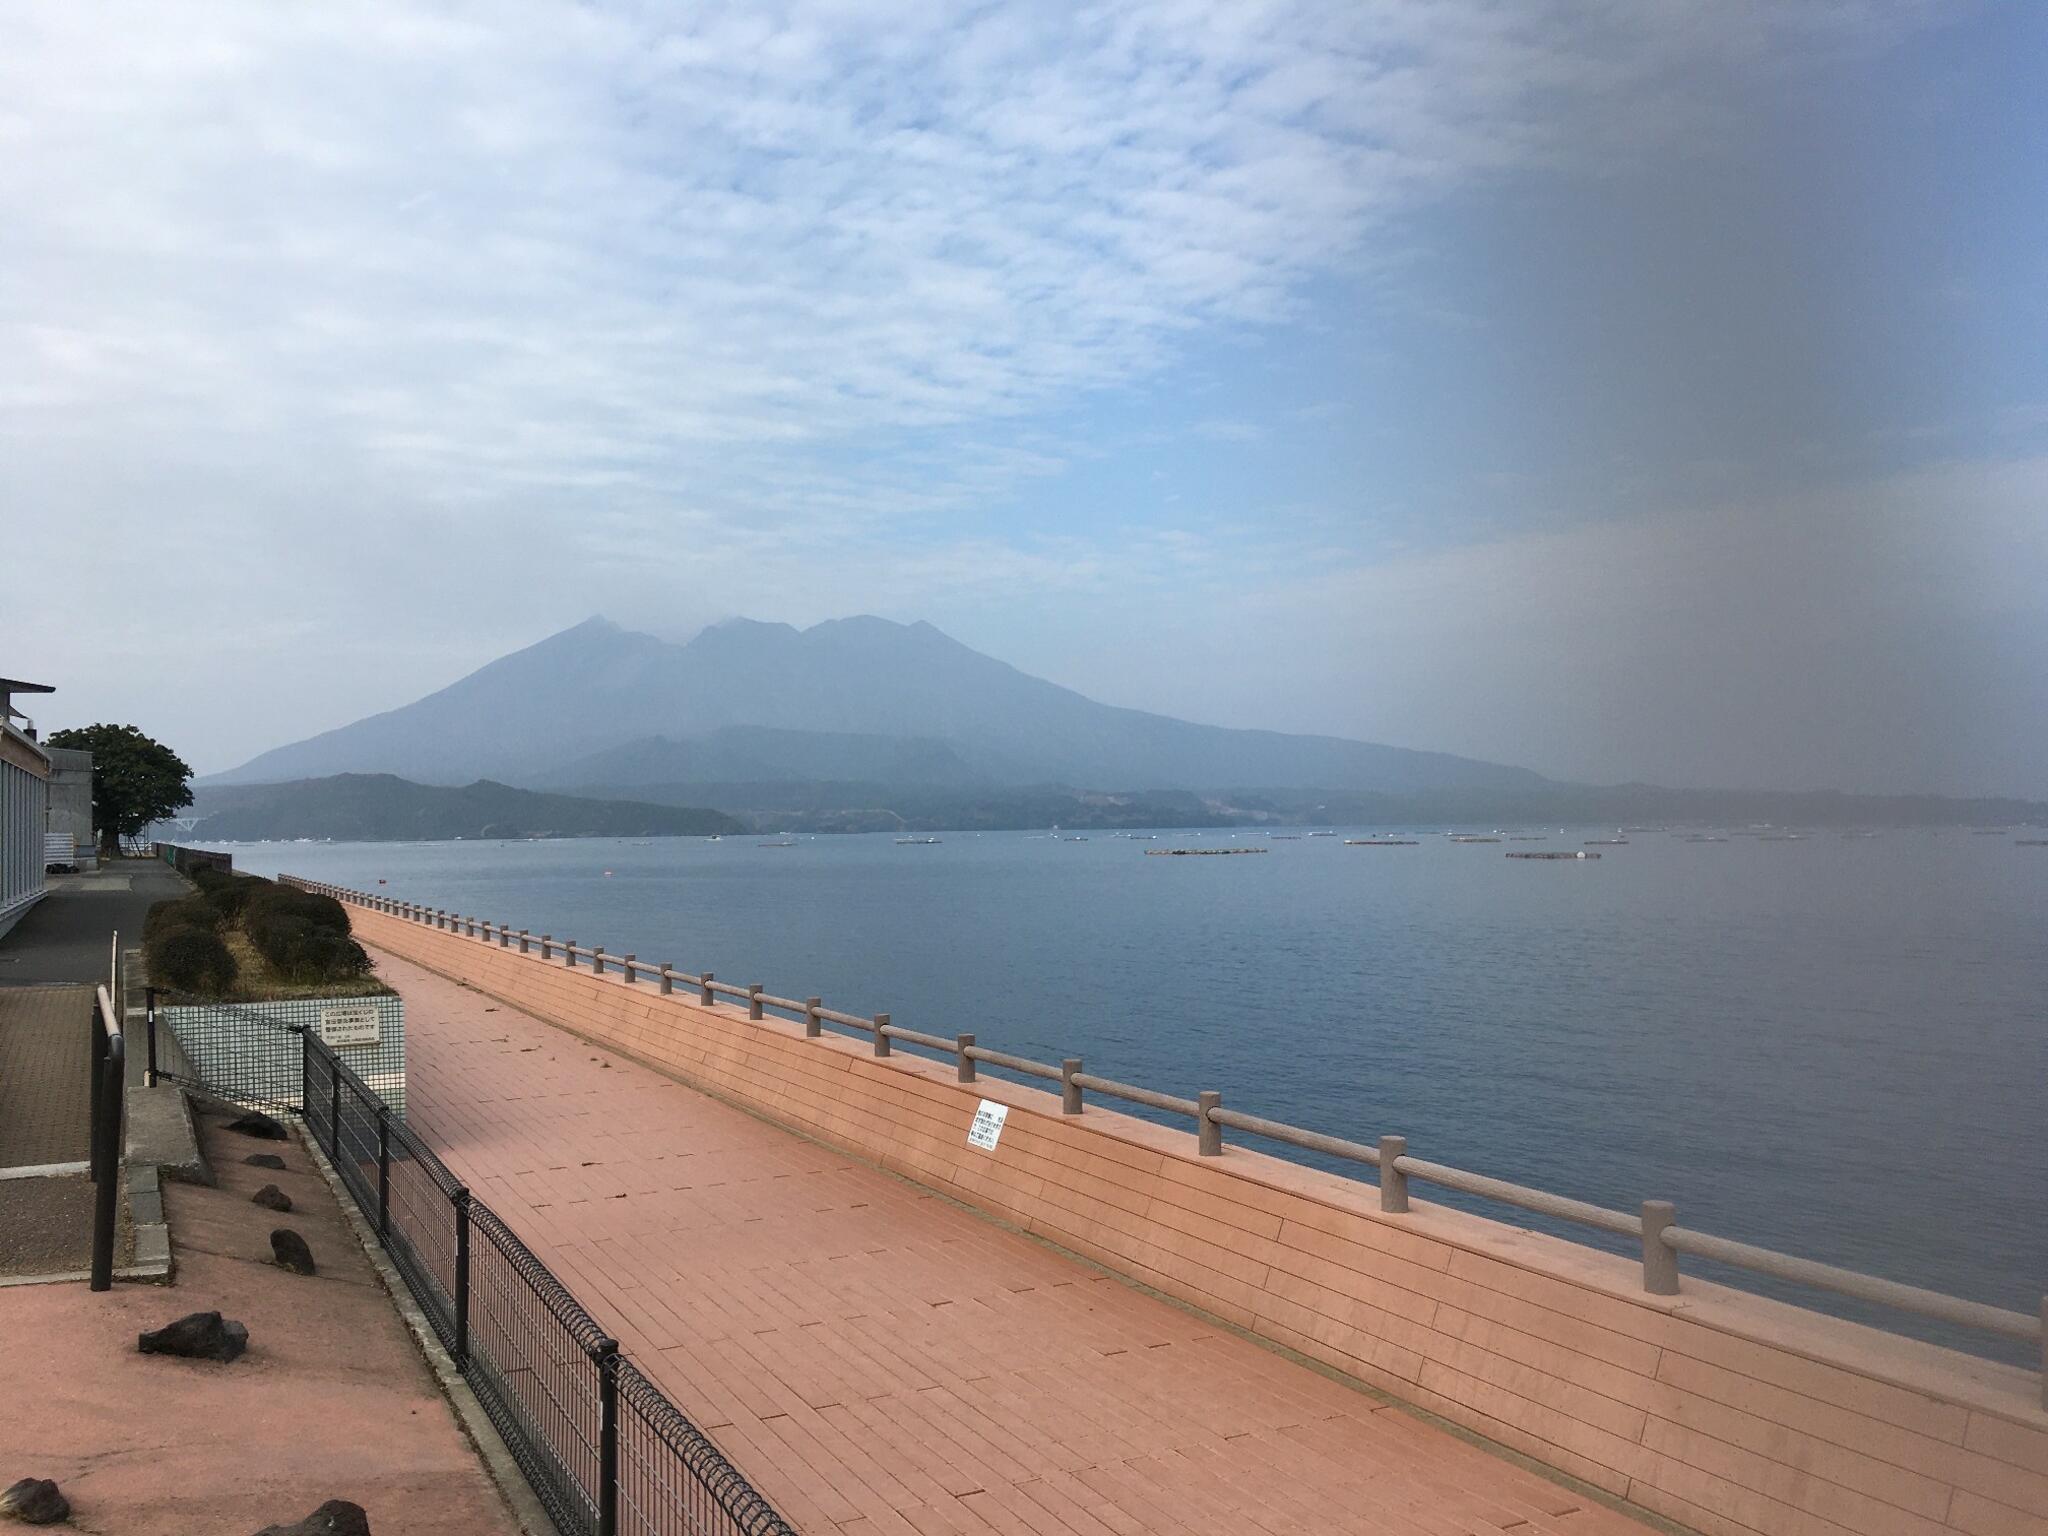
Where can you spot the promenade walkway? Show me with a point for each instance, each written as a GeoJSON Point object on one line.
{"type": "Point", "coordinates": [878, 1359]}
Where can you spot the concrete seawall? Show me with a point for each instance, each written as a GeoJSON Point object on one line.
{"type": "Point", "coordinates": [1721, 1410]}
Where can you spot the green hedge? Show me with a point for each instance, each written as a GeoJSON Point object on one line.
{"type": "Point", "coordinates": [187, 959]}
{"type": "Point", "coordinates": [303, 937]}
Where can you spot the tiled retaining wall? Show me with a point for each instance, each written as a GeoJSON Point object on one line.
{"type": "Point", "coordinates": [1721, 1410]}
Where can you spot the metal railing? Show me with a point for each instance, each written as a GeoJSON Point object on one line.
{"type": "Point", "coordinates": [605, 1452]}
{"type": "Point", "coordinates": [1654, 1225]}
{"type": "Point", "coordinates": [109, 1121]}
{"type": "Point", "coordinates": [184, 860]}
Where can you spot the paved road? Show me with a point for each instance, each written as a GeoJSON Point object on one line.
{"type": "Point", "coordinates": [65, 936]}
{"type": "Point", "coordinates": [878, 1359]}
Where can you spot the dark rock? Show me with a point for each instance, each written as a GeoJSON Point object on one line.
{"type": "Point", "coordinates": [264, 1160]}
{"type": "Point", "coordinates": [337, 1517]}
{"type": "Point", "coordinates": [201, 1336]}
{"type": "Point", "coordinates": [258, 1125]}
{"type": "Point", "coordinates": [35, 1501]}
{"type": "Point", "coordinates": [272, 1198]}
{"type": "Point", "coordinates": [291, 1252]}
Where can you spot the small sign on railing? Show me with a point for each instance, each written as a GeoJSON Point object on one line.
{"type": "Point", "coordinates": [349, 1024]}
{"type": "Point", "coordinates": [988, 1125]}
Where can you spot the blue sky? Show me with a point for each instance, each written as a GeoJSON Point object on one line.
{"type": "Point", "coordinates": [1628, 390]}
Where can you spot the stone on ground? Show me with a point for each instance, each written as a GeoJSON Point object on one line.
{"type": "Point", "coordinates": [291, 1252]}
{"type": "Point", "coordinates": [258, 1125]}
{"type": "Point", "coordinates": [199, 1336]}
{"type": "Point", "coordinates": [272, 1198]}
{"type": "Point", "coordinates": [337, 1517]}
{"type": "Point", "coordinates": [35, 1501]}
{"type": "Point", "coordinates": [264, 1160]}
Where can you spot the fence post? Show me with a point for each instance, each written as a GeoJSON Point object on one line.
{"type": "Point", "coordinates": [813, 1025]}
{"type": "Point", "coordinates": [629, 970]}
{"type": "Point", "coordinates": [97, 1088]}
{"type": "Point", "coordinates": [569, 953]}
{"type": "Point", "coordinates": [547, 941]}
{"type": "Point", "coordinates": [505, 937]}
{"type": "Point", "coordinates": [597, 959]}
{"type": "Point", "coordinates": [705, 983]}
{"type": "Point", "coordinates": [961, 1046]}
{"type": "Point", "coordinates": [305, 1077]}
{"type": "Point", "coordinates": [1660, 1259]}
{"type": "Point", "coordinates": [522, 941]}
{"type": "Point", "coordinates": [149, 1016]}
{"type": "Point", "coordinates": [1070, 1091]}
{"type": "Point", "coordinates": [754, 1001]}
{"type": "Point", "coordinates": [1393, 1182]}
{"type": "Point", "coordinates": [383, 1172]}
{"type": "Point", "coordinates": [604, 1354]}
{"type": "Point", "coordinates": [1208, 1134]}
{"type": "Point", "coordinates": [881, 1037]}
{"type": "Point", "coordinates": [668, 982]}
{"type": "Point", "coordinates": [334, 1108]}
{"type": "Point", "coordinates": [462, 1277]}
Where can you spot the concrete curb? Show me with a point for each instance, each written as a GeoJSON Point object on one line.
{"type": "Point", "coordinates": [511, 1483]}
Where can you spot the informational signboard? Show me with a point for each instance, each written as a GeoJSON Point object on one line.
{"type": "Point", "coordinates": [349, 1024]}
{"type": "Point", "coordinates": [988, 1125]}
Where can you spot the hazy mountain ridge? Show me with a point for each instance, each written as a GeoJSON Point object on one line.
{"type": "Point", "coordinates": [594, 688]}
{"type": "Point", "coordinates": [376, 807]}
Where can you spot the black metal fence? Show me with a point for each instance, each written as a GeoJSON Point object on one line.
{"type": "Point", "coordinates": [606, 1452]}
{"type": "Point", "coordinates": [109, 1128]}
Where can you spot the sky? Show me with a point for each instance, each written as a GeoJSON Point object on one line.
{"type": "Point", "coordinates": [1626, 389]}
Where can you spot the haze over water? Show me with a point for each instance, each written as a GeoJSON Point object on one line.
{"type": "Point", "coordinates": [1834, 1046]}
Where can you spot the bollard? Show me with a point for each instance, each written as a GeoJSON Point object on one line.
{"type": "Point", "coordinates": [813, 1025]}
{"type": "Point", "coordinates": [668, 982]}
{"type": "Point", "coordinates": [705, 984]}
{"type": "Point", "coordinates": [881, 1034]}
{"type": "Point", "coordinates": [963, 1045]}
{"type": "Point", "coordinates": [1208, 1134]}
{"type": "Point", "coordinates": [754, 1001]}
{"type": "Point", "coordinates": [1070, 1091]}
{"type": "Point", "coordinates": [1393, 1182]}
{"type": "Point", "coordinates": [1660, 1259]}
{"type": "Point", "coordinates": [629, 970]}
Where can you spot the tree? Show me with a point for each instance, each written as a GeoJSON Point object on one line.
{"type": "Point", "coordinates": [134, 780]}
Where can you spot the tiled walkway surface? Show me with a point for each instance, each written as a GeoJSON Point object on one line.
{"type": "Point", "coordinates": [45, 1068]}
{"type": "Point", "coordinates": [877, 1359]}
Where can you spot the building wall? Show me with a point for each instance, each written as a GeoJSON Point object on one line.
{"type": "Point", "coordinates": [70, 808]}
{"type": "Point", "coordinates": [24, 800]}
{"type": "Point", "coordinates": [1727, 1412]}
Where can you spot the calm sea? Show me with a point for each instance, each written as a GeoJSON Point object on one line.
{"type": "Point", "coordinates": [1836, 1046]}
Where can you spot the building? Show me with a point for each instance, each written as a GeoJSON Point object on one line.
{"type": "Point", "coordinates": [70, 840]}
{"type": "Point", "coordinates": [24, 805]}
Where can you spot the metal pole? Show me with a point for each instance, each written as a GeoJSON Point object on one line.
{"type": "Point", "coordinates": [149, 1014]}
{"type": "Point", "coordinates": [1393, 1182]}
{"type": "Point", "coordinates": [383, 1172]}
{"type": "Point", "coordinates": [1660, 1259]}
{"type": "Point", "coordinates": [108, 1151]}
{"type": "Point", "coordinates": [333, 1108]}
{"type": "Point", "coordinates": [98, 1088]}
{"type": "Point", "coordinates": [462, 1277]}
{"type": "Point", "coordinates": [604, 1354]}
{"type": "Point", "coordinates": [1208, 1134]}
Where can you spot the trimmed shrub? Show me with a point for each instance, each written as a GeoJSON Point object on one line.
{"type": "Point", "coordinates": [302, 951]}
{"type": "Point", "coordinates": [188, 959]}
{"type": "Point", "coordinates": [230, 894]}
{"type": "Point", "coordinates": [274, 900]}
{"type": "Point", "coordinates": [180, 912]}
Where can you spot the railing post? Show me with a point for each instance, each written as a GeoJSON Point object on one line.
{"type": "Point", "coordinates": [523, 941]}
{"type": "Point", "coordinates": [1393, 1182]}
{"type": "Point", "coordinates": [628, 962]}
{"type": "Point", "coordinates": [604, 1354]}
{"type": "Point", "coordinates": [754, 1000]}
{"type": "Point", "coordinates": [569, 953]}
{"type": "Point", "coordinates": [461, 1202]}
{"type": "Point", "coordinates": [547, 942]}
{"type": "Point", "coordinates": [383, 1172]}
{"type": "Point", "coordinates": [705, 983]}
{"type": "Point", "coordinates": [97, 1088]}
{"type": "Point", "coordinates": [1070, 1091]}
{"type": "Point", "coordinates": [1660, 1259]}
{"type": "Point", "coordinates": [1208, 1134]}
{"type": "Point", "coordinates": [813, 1025]}
{"type": "Point", "coordinates": [597, 959]}
{"type": "Point", "coordinates": [505, 937]}
{"type": "Point", "coordinates": [149, 1018]}
{"type": "Point", "coordinates": [334, 1109]}
{"type": "Point", "coordinates": [2044, 1351]}
{"type": "Point", "coordinates": [668, 982]}
{"type": "Point", "coordinates": [881, 1038]}
{"type": "Point", "coordinates": [961, 1045]}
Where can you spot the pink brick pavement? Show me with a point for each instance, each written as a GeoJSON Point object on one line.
{"type": "Point", "coordinates": [876, 1358]}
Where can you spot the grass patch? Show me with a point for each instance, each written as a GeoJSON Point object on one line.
{"type": "Point", "coordinates": [255, 982]}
